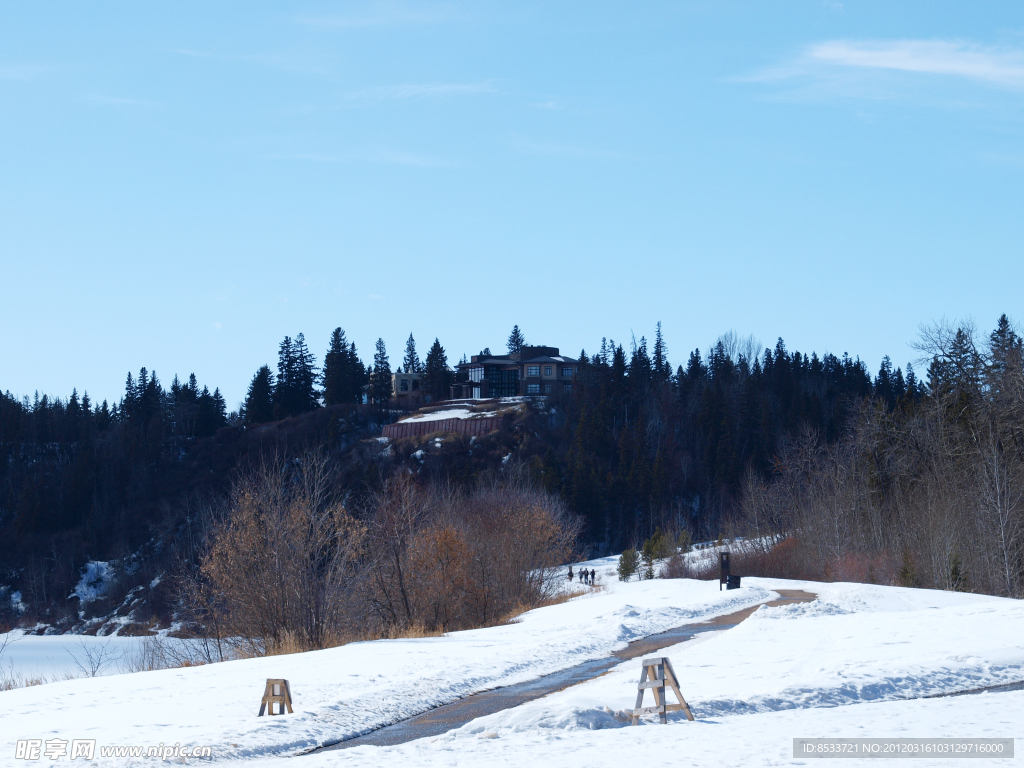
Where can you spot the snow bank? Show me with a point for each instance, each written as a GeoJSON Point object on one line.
{"type": "Point", "coordinates": [451, 413]}
{"type": "Point", "coordinates": [93, 582]}
{"type": "Point", "coordinates": [844, 665]}
{"type": "Point", "coordinates": [787, 672]}
{"type": "Point", "coordinates": [764, 740]}
{"type": "Point", "coordinates": [342, 692]}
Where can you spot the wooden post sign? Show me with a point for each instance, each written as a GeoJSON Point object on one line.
{"type": "Point", "coordinates": [657, 672]}
{"type": "Point", "coordinates": [278, 692]}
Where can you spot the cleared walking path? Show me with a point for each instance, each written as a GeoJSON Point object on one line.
{"type": "Point", "coordinates": [458, 713]}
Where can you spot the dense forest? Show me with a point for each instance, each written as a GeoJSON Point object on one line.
{"type": "Point", "coordinates": [908, 479]}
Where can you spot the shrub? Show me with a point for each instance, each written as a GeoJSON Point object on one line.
{"type": "Point", "coordinates": [629, 563]}
{"type": "Point", "coordinates": [281, 562]}
{"type": "Point", "coordinates": [676, 568]}
{"type": "Point", "coordinates": [448, 560]}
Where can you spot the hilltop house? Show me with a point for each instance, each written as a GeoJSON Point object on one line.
{"type": "Point", "coordinates": [532, 371]}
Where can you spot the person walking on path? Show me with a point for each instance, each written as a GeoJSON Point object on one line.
{"type": "Point", "coordinates": [570, 573]}
{"type": "Point", "coordinates": [593, 573]}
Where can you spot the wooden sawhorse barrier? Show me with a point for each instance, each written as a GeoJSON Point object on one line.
{"type": "Point", "coordinates": [657, 672]}
{"type": "Point", "coordinates": [278, 692]}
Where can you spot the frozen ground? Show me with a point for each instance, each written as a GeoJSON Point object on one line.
{"type": "Point", "coordinates": [842, 666]}
{"type": "Point", "coordinates": [345, 691]}
{"type": "Point", "coordinates": [56, 657]}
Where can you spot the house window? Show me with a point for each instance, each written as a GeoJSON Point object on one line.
{"type": "Point", "coordinates": [567, 371]}
{"type": "Point", "coordinates": [415, 383]}
{"type": "Point", "coordinates": [533, 389]}
{"type": "Point", "coordinates": [547, 370]}
{"type": "Point", "coordinates": [404, 386]}
{"type": "Point", "coordinates": [533, 370]}
{"type": "Point", "coordinates": [567, 388]}
{"type": "Point", "coordinates": [547, 387]}
{"type": "Point", "coordinates": [476, 374]}
{"type": "Point", "coordinates": [476, 393]}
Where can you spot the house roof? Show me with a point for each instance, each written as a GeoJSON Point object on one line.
{"type": "Point", "coordinates": [559, 359]}
{"type": "Point", "coordinates": [508, 360]}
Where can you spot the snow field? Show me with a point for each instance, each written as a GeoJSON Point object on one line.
{"type": "Point", "coordinates": [747, 741]}
{"type": "Point", "coordinates": [844, 665]}
{"type": "Point", "coordinates": [787, 672]}
{"type": "Point", "coordinates": [342, 692]}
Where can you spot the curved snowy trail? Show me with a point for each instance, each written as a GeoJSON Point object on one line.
{"type": "Point", "coordinates": [458, 713]}
{"type": "Point", "coordinates": [860, 661]}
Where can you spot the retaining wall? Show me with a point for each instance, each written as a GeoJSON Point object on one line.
{"type": "Point", "coordinates": [477, 427]}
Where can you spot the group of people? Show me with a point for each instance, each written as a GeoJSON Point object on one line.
{"type": "Point", "coordinates": [585, 576]}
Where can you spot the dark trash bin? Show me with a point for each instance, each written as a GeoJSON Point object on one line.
{"type": "Point", "coordinates": [732, 582]}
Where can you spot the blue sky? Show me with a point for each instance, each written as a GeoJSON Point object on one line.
{"type": "Point", "coordinates": [181, 185]}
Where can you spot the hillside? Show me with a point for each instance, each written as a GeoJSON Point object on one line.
{"type": "Point", "coordinates": [854, 662]}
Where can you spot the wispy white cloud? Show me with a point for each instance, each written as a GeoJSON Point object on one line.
{"type": "Point", "coordinates": [282, 61]}
{"type": "Point", "coordinates": [421, 91]}
{"type": "Point", "coordinates": [839, 59]}
{"type": "Point", "coordinates": [379, 156]}
{"type": "Point", "coordinates": [380, 14]}
{"type": "Point", "coordinates": [529, 147]}
{"type": "Point", "coordinates": [117, 101]}
{"type": "Point", "coordinates": [23, 71]}
{"type": "Point", "coordinates": [937, 57]}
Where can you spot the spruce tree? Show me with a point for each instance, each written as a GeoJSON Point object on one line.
{"type": "Point", "coordinates": [1004, 357]}
{"type": "Point", "coordinates": [356, 375]}
{"type": "Point", "coordinates": [662, 368]}
{"type": "Point", "coordinates": [436, 375]}
{"type": "Point", "coordinates": [284, 390]}
{"type": "Point", "coordinates": [306, 395]}
{"type": "Point", "coordinates": [913, 388]}
{"type": "Point", "coordinates": [516, 341]}
{"type": "Point", "coordinates": [885, 384]}
{"type": "Point", "coordinates": [380, 379]}
{"type": "Point", "coordinates": [411, 362]}
{"type": "Point", "coordinates": [206, 414]}
{"type": "Point", "coordinates": [259, 401]}
{"type": "Point", "coordinates": [640, 367]}
{"type": "Point", "coordinates": [337, 388]}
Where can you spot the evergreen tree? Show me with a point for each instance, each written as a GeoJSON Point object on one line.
{"type": "Point", "coordinates": [211, 413]}
{"type": "Point", "coordinates": [436, 375]}
{"type": "Point", "coordinates": [885, 384]}
{"type": "Point", "coordinates": [1004, 357]}
{"type": "Point", "coordinates": [337, 370]}
{"type": "Point", "coordinates": [640, 369]}
{"type": "Point", "coordinates": [358, 376]}
{"type": "Point", "coordinates": [516, 341]}
{"type": "Point", "coordinates": [913, 388]}
{"type": "Point", "coordinates": [295, 391]}
{"type": "Point", "coordinates": [259, 401]}
{"type": "Point", "coordinates": [899, 386]}
{"type": "Point", "coordinates": [662, 368]}
{"type": "Point", "coordinates": [380, 378]}
{"type": "Point", "coordinates": [629, 563]}
{"type": "Point", "coordinates": [411, 362]}
{"type": "Point", "coordinates": [284, 390]}
{"type": "Point", "coordinates": [306, 394]}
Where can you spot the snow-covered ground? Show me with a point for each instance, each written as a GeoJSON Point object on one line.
{"type": "Point", "coordinates": [841, 666]}
{"type": "Point", "coordinates": [449, 413]}
{"type": "Point", "coordinates": [345, 691]}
